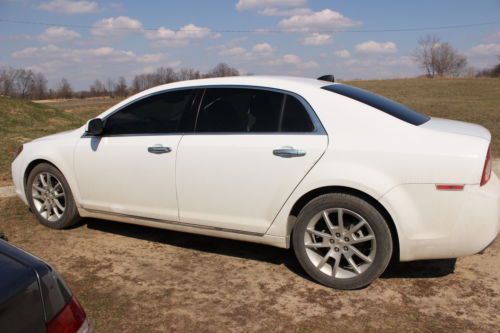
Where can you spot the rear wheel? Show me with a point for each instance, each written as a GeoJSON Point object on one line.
{"type": "Point", "coordinates": [50, 197]}
{"type": "Point", "coordinates": [342, 241]}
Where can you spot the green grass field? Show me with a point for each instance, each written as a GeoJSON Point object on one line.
{"type": "Point", "coordinates": [472, 100]}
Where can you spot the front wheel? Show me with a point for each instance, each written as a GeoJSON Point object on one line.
{"type": "Point", "coordinates": [50, 197]}
{"type": "Point", "coordinates": [342, 241]}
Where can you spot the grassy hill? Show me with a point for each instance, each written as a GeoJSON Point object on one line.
{"type": "Point", "coordinates": [22, 121]}
{"type": "Point", "coordinates": [472, 100]}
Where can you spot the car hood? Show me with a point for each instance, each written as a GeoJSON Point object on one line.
{"type": "Point", "coordinates": [56, 136]}
{"type": "Point", "coordinates": [457, 127]}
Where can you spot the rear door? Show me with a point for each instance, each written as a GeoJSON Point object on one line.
{"type": "Point", "coordinates": [130, 169]}
{"type": "Point", "coordinates": [250, 150]}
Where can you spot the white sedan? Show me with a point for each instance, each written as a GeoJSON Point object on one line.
{"type": "Point", "coordinates": [345, 177]}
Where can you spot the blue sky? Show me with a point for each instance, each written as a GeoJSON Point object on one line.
{"type": "Point", "coordinates": [87, 40]}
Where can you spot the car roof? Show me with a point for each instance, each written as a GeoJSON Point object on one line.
{"type": "Point", "coordinates": [286, 83]}
{"type": "Point", "coordinates": [278, 82]}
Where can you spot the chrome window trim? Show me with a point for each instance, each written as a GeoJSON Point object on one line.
{"type": "Point", "coordinates": [319, 129]}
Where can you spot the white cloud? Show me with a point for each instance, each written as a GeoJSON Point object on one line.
{"type": "Point", "coordinates": [233, 51]}
{"type": "Point", "coordinates": [69, 7]}
{"type": "Point", "coordinates": [263, 48]}
{"type": "Point", "coordinates": [115, 26]}
{"type": "Point", "coordinates": [308, 65]}
{"type": "Point", "coordinates": [343, 53]}
{"type": "Point", "coordinates": [317, 39]}
{"type": "Point", "coordinates": [284, 12]}
{"type": "Point", "coordinates": [104, 54]}
{"type": "Point", "coordinates": [172, 38]}
{"type": "Point", "coordinates": [326, 19]}
{"type": "Point", "coordinates": [291, 60]}
{"type": "Point", "coordinates": [372, 47]}
{"type": "Point", "coordinates": [486, 50]}
{"type": "Point", "coordinates": [58, 34]}
{"type": "Point", "coordinates": [256, 4]}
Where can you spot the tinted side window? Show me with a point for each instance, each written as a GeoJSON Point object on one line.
{"type": "Point", "coordinates": [161, 113]}
{"type": "Point", "coordinates": [386, 105]}
{"type": "Point", "coordinates": [239, 110]}
{"type": "Point", "coordinates": [295, 117]}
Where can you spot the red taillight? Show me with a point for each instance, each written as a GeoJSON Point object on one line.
{"type": "Point", "coordinates": [450, 187]}
{"type": "Point", "coordinates": [71, 319]}
{"type": "Point", "coordinates": [487, 168]}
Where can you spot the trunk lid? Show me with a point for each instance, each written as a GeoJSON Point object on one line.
{"type": "Point", "coordinates": [457, 127]}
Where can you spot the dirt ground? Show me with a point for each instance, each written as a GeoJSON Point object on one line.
{"type": "Point", "coordinates": [138, 279]}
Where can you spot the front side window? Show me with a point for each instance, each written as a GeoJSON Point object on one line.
{"type": "Point", "coordinates": [158, 114]}
{"type": "Point", "coordinates": [239, 110]}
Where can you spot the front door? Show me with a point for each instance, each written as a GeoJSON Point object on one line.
{"type": "Point", "coordinates": [130, 169]}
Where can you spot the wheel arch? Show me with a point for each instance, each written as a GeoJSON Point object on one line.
{"type": "Point", "coordinates": [307, 197]}
{"type": "Point", "coordinates": [32, 165]}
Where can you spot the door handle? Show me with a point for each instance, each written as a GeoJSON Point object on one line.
{"type": "Point", "coordinates": [159, 149]}
{"type": "Point", "coordinates": [288, 152]}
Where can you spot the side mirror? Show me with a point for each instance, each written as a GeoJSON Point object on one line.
{"type": "Point", "coordinates": [95, 127]}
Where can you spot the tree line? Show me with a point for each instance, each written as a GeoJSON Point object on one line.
{"type": "Point", "coordinates": [436, 57]}
{"type": "Point", "coordinates": [28, 84]}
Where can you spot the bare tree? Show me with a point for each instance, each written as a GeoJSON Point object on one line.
{"type": "Point", "coordinates": [97, 88]}
{"type": "Point", "coordinates": [165, 75]}
{"type": "Point", "coordinates": [110, 86]}
{"type": "Point", "coordinates": [39, 88]}
{"type": "Point", "coordinates": [24, 80]}
{"type": "Point", "coordinates": [121, 87]}
{"type": "Point", "coordinates": [64, 89]}
{"type": "Point", "coordinates": [188, 74]}
{"type": "Point", "coordinates": [221, 70]}
{"type": "Point", "coordinates": [7, 81]}
{"type": "Point", "coordinates": [439, 58]}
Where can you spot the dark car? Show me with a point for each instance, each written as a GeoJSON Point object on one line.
{"type": "Point", "coordinates": [34, 298]}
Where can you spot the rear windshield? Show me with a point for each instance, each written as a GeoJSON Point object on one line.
{"type": "Point", "coordinates": [386, 105]}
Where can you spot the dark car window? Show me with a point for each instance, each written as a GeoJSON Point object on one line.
{"type": "Point", "coordinates": [157, 114]}
{"type": "Point", "coordinates": [295, 117]}
{"type": "Point", "coordinates": [239, 110]}
{"type": "Point", "coordinates": [386, 105]}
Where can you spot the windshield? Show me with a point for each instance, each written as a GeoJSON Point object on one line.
{"type": "Point", "coordinates": [383, 104]}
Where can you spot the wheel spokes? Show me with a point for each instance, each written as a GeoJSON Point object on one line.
{"type": "Point", "coordinates": [340, 217]}
{"type": "Point", "coordinates": [362, 239]}
{"type": "Point", "coordinates": [319, 233]}
{"type": "Point", "coordinates": [331, 242]}
{"type": "Point", "coordinates": [325, 259]}
{"type": "Point", "coordinates": [360, 254]}
{"type": "Point", "coordinates": [48, 196]}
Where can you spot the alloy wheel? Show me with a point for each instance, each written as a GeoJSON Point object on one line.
{"type": "Point", "coordinates": [48, 196]}
{"type": "Point", "coordinates": [340, 243]}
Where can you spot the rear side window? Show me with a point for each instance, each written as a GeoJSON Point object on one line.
{"type": "Point", "coordinates": [386, 105]}
{"type": "Point", "coordinates": [295, 117]}
{"type": "Point", "coordinates": [158, 114]}
{"type": "Point", "coordinates": [239, 110]}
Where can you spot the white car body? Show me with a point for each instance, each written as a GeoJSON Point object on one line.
{"type": "Point", "coordinates": [232, 186]}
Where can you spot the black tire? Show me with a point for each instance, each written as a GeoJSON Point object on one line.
{"type": "Point", "coordinates": [70, 215]}
{"type": "Point", "coordinates": [374, 219]}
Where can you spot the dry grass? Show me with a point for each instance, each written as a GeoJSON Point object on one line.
{"type": "Point", "coordinates": [83, 108]}
{"type": "Point", "coordinates": [137, 279]}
